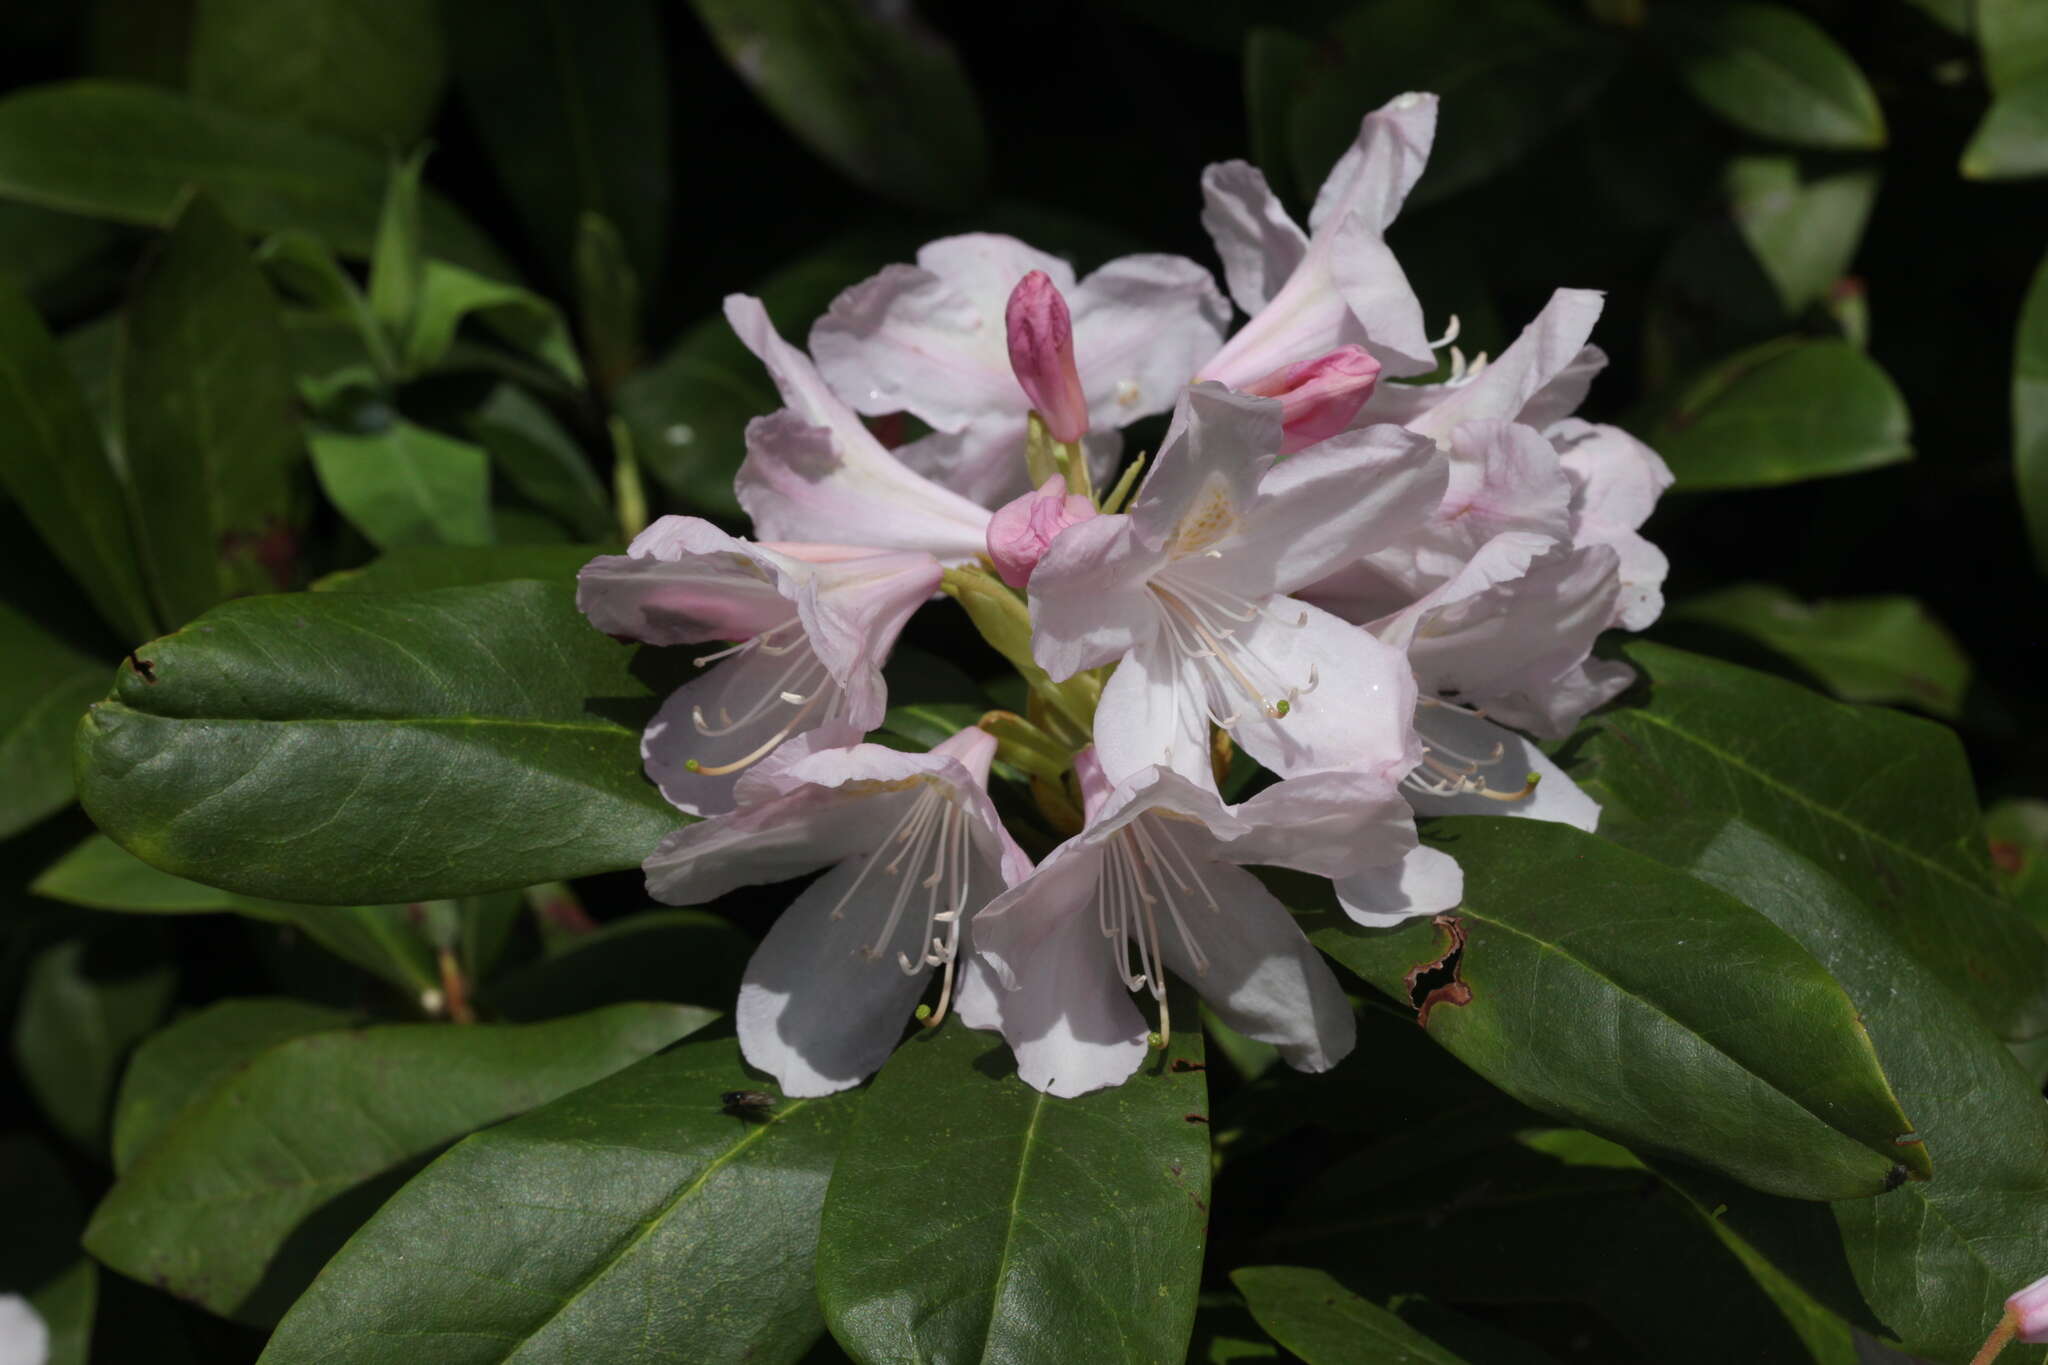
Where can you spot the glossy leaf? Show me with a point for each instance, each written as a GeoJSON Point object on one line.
{"type": "Point", "coordinates": [1771, 71]}
{"type": "Point", "coordinates": [1653, 1010]}
{"type": "Point", "coordinates": [540, 460]}
{"type": "Point", "coordinates": [178, 1065]}
{"type": "Point", "coordinates": [1276, 63]}
{"type": "Point", "coordinates": [44, 689]}
{"type": "Point", "coordinates": [44, 249]}
{"type": "Point", "coordinates": [246, 1193]}
{"type": "Point", "coordinates": [449, 294]}
{"type": "Point", "coordinates": [873, 92]}
{"type": "Point", "coordinates": [1867, 649]}
{"type": "Point", "coordinates": [688, 412]}
{"type": "Point", "coordinates": [687, 956]}
{"type": "Point", "coordinates": [80, 1012]}
{"type": "Point", "coordinates": [572, 104]}
{"type": "Point", "coordinates": [1510, 73]}
{"type": "Point", "coordinates": [1879, 798]}
{"type": "Point", "coordinates": [406, 485]}
{"type": "Point", "coordinates": [40, 1258]}
{"type": "Point", "coordinates": [973, 1218]}
{"type": "Point", "coordinates": [2013, 35]}
{"type": "Point", "coordinates": [1804, 233]}
{"type": "Point", "coordinates": [1782, 412]}
{"type": "Point", "coordinates": [607, 301]}
{"type": "Point", "coordinates": [212, 443]}
{"type": "Point", "coordinates": [1318, 1319]}
{"type": "Point", "coordinates": [2012, 141]}
{"type": "Point", "coordinates": [359, 747]}
{"type": "Point", "coordinates": [1933, 1260]}
{"type": "Point", "coordinates": [450, 566]}
{"type": "Point", "coordinates": [2018, 835]}
{"type": "Point", "coordinates": [107, 149]}
{"type": "Point", "coordinates": [634, 1219]}
{"type": "Point", "coordinates": [2030, 412]}
{"type": "Point", "coordinates": [52, 462]}
{"type": "Point", "coordinates": [369, 70]}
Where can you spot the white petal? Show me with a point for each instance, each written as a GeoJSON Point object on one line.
{"type": "Point", "coordinates": [1546, 348]}
{"type": "Point", "coordinates": [1426, 881]}
{"type": "Point", "coordinates": [1259, 243]}
{"type": "Point", "coordinates": [1151, 715]}
{"type": "Point", "coordinates": [1209, 466]}
{"type": "Point", "coordinates": [1373, 177]}
{"type": "Point", "coordinates": [793, 834]}
{"type": "Point", "coordinates": [986, 266]}
{"type": "Point", "coordinates": [1142, 326]}
{"type": "Point", "coordinates": [1616, 481]}
{"type": "Point", "coordinates": [1382, 303]}
{"type": "Point", "coordinates": [1329, 824]}
{"type": "Point", "coordinates": [1089, 603]}
{"type": "Point", "coordinates": [684, 581]}
{"type": "Point", "coordinates": [1263, 978]}
{"type": "Point", "coordinates": [1560, 398]}
{"type": "Point", "coordinates": [1357, 716]}
{"type": "Point", "coordinates": [906, 340]}
{"type": "Point", "coordinates": [853, 610]}
{"type": "Point", "coordinates": [24, 1336]}
{"type": "Point", "coordinates": [1556, 797]}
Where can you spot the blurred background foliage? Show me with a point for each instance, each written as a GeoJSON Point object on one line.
{"type": "Point", "coordinates": [491, 238]}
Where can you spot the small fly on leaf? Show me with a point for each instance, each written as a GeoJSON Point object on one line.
{"type": "Point", "coordinates": [748, 1104]}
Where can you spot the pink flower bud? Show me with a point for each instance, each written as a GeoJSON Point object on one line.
{"type": "Point", "coordinates": [1319, 397]}
{"type": "Point", "coordinates": [2029, 1308]}
{"type": "Point", "coordinates": [1022, 531]}
{"type": "Point", "coordinates": [1042, 354]}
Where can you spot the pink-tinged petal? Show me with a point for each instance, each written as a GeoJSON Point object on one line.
{"type": "Point", "coordinates": [985, 461]}
{"type": "Point", "coordinates": [1560, 398]}
{"type": "Point", "coordinates": [1381, 302]}
{"type": "Point", "coordinates": [1307, 317]}
{"type": "Point", "coordinates": [2029, 1309]}
{"type": "Point", "coordinates": [1089, 604]}
{"type": "Point", "coordinates": [684, 581]}
{"type": "Point", "coordinates": [1151, 715]}
{"type": "Point", "coordinates": [973, 748]}
{"type": "Point", "coordinates": [1546, 349]}
{"type": "Point", "coordinates": [1208, 470]}
{"type": "Point", "coordinates": [853, 610]}
{"type": "Point", "coordinates": [1507, 760]}
{"type": "Point", "coordinates": [1041, 346]}
{"type": "Point", "coordinates": [906, 340]}
{"type": "Point", "coordinates": [1504, 477]}
{"type": "Point", "coordinates": [1616, 481]}
{"type": "Point", "coordinates": [1435, 571]}
{"type": "Point", "coordinates": [1331, 505]}
{"type": "Point", "coordinates": [797, 484]}
{"type": "Point", "coordinates": [1358, 714]}
{"type": "Point", "coordinates": [985, 267]}
{"type": "Point", "coordinates": [1426, 881]}
{"type": "Point", "coordinates": [1142, 326]}
{"type": "Point", "coordinates": [1095, 784]}
{"type": "Point", "coordinates": [1328, 824]}
{"type": "Point", "coordinates": [1023, 529]}
{"type": "Point", "coordinates": [788, 835]}
{"type": "Point", "coordinates": [1319, 397]}
{"type": "Point", "coordinates": [819, 1009]}
{"type": "Point", "coordinates": [1373, 177]}
{"type": "Point", "coordinates": [1259, 972]}
{"type": "Point", "coordinates": [1360, 592]}
{"type": "Point", "coordinates": [1259, 244]}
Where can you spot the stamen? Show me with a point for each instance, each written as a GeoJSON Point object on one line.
{"type": "Point", "coordinates": [766, 748]}
{"type": "Point", "coordinates": [1450, 334]}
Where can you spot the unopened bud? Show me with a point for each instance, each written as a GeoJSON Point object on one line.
{"type": "Point", "coordinates": [1042, 354]}
{"type": "Point", "coordinates": [1022, 530]}
{"type": "Point", "coordinates": [1318, 398]}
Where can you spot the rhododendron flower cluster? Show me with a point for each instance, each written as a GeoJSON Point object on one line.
{"type": "Point", "coordinates": [1382, 590]}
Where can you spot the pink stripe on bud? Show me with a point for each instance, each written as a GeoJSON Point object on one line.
{"type": "Point", "coordinates": [1319, 397]}
{"type": "Point", "coordinates": [1021, 531]}
{"type": "Point", "coordinates": [1042, 354]}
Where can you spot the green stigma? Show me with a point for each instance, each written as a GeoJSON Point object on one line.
{"type": "Point", "coordinates": [923, 1013]}
{"type": "Point", "coordinates": [692, 765]}
{"type": "Point", "coordinates": [1281, 708]}
{"type": "Point", "coordinates": [1533, 778]}
{"type": "Point", "coordinates": [1154, 1041]}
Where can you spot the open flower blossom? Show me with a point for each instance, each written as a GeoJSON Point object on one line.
{"type": "Point", "coordinates": [933, 340]}
{"type": "Point", "coordinates": [915, 849]}
{"type": "Point", "coordinates": [815, 473]}
{"type": "Point", "coordinates": [1187, 594]}
{"type": "Point", "coordinates": [810, 626]}
{"type": "Point", "coordinates": [1155, 884]}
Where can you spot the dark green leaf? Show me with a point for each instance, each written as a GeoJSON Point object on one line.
{"type": "Point", "coordinates": [1226, 1333]}
{"type": "Point", "coordinates": [974, 1218]}
{"type": "Point", "coordinates": [44, 688]}
{"type": "Point", "coordinates": [2014, 37]}
{"type": "Point", "coordinates": [369, 747]}
{"type": "Point", "coordinates": [1276, 64]}
{"type": "Point", "coordinates": [634, 1219]}
{"type": "Point", "coordinates": [1781, 412]}
{"type": "Point", "coordinates": [178, 1065]}
{"type": "Point", "coordinates": [302, 266]}
{"type": "Point", "coordinates": [39, 1258]}
{"type": "Point", "coordinates": [1882, 800]}
{"type": "Point", "coordinates": [1804, 234]}
{"type": "Point", "coordinates": [449, 294]}
{"type": "Point", "coordinates": [2018, 832]}
{"type": "Point", "coordinates": [687, 956]}
{"type": "Point", "coordinates": [689, 411]}
{"type": "Point", "coordinates": [1934, 1260]}
{"type": "Point", "coordinates": [398, 257]}
{"type": "Point", "coordinates": [2012, 141]}
{"type": "Point", "coordinates": [406, 485]}
{"type": "Point", "coordinates": [1713, 1035]}
{"type": "Point", "coordinates": [452, 566]}
{"type": "Point", "coordinates": [548, 468]}
{"type": "Point", "coordinates": [1318, 1319]}
{"type": "Point", "coordinates": [571, 102]}
{"type": "Point", "coordinates": [1868, 649]}
{"type": "Point", "coordinates": [875, 93]}
{"type": "Point", "coordinates": [607, 301]}
{"type": "Point", "coordinates": [53, 463]}
{"type": "Point", "coordinates": [247, 1192]}
{"type": "Point", "coordinates": [80, 1013]}
{"type": "Point", "coordinates": [370, 70]}
{"type": "Point", "coordinates": [212, 444]}
{"type": "Point", "coordinates": [128, 152]}
{"type": "Point", "coordinates": [1771, 71]}
{"type": "Point", "coordinates": [44, 249]}
{"type": "Point", "coordinates": [1510, 73]}
{"type": "Point", "coordinates": [2030, 412]}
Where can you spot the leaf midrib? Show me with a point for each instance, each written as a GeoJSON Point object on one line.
{"type": "Point", "coordinates": [425, 722]}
